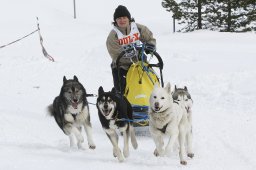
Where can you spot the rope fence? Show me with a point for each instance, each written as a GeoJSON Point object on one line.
{"type": "Point", "coordinates": [45, 53]}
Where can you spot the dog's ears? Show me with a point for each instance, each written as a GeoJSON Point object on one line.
{"type": "Point", "coordinates": [64, 79]}
{"type": "Point", "coordinates": [185, 88]}
{"type": "Point", "coordinates": [175, 87]}
{"type": "Point", "coordinates": [100, 91]}
{"type": "Point", "coordinates": [75, 78]}
{"type": "Point", "coordinates": [113, 90]}
{"type": "Point", "coordinates": [168, 87]}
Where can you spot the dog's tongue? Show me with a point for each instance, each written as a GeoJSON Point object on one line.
{"type": "Point", "coordinates": [157, 108]}
{"type": "Point", "coordinates": [74, 105]}
{"type": "Point", "coordinates": [106, 112]}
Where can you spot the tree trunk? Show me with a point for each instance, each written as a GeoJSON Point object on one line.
{"type": "Point", "coordinates": [229, 16]}
{"type": "Point", "coordinates": [199, 6]}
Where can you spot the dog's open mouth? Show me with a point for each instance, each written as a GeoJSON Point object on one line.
{"type": "Point", "coordinates": [74, 104]}
{"type": "Point", "coordinates": [157, 108]}
{"type": "Point", "coordinates": [106, 112]}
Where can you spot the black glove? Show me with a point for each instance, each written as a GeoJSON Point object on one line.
{"type": "Point", "coordinates": [149, 48]}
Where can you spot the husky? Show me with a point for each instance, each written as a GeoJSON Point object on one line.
{"type": "Point", "coordinates": [115, 112]}
{"type": "Point", "coordinates": [71, 112]}
{"type": "Point", "coordinates": [167, 118]}
{"type": "Point", "coordinates": [182, 95]}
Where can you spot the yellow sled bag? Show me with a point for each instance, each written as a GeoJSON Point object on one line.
{"type": "Point", "coordinates": [140, 80]}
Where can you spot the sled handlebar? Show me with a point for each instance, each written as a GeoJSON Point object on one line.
{"type": "Point", "coordinates": [160, 63]}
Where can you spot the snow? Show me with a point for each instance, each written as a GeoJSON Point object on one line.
{"type": "Point", "coordinates": [218, 69]}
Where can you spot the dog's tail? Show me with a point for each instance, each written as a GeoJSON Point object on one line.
{"type": "Point", "coordinates": [50, 110]}
{"type": "Point", "coordinates": [133, 138]}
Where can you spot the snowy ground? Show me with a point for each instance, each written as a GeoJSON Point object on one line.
{"type": "Point", "coordinates": [218, 69]}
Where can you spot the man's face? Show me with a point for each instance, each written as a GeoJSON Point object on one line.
{"type": "Point", "coordinates": [122, 22]}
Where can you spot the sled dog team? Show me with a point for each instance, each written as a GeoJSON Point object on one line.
{"type": "Point", "coordinates": [169, 115]}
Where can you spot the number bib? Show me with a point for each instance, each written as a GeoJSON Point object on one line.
{"type": "Point", "coordinates": [132, 38]}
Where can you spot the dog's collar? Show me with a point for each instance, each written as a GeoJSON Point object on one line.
{"type": "Point", "coordinates": [187, 109]}
{"type": "Point", "coordinates": [174, 101]}
{"type": "Point", "coordinates": [115, 114]}
{"type": "Point", "coordinates": [75, 114]}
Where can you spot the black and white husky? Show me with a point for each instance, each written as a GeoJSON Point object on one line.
{"type": "Point", "coordinates": [169, 117]}
{"type": "Point", "coordinates": [71, 112]}
{"type": "Point", "coordinates": [115, 112]}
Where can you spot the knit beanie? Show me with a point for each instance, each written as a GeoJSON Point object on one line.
{"type": "Point", "coordinates": [122, 11]}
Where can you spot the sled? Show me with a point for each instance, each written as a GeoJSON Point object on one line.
{"type": "Point", "coordinates": [140, 81]}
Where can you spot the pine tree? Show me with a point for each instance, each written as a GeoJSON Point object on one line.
{"type": "Point", "coordinates": [187, 12]}
{"type": "Point", "coordinates": [221, 15]}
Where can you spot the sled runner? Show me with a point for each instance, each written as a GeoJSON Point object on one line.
{"type": "Point", "coordinates": [140, 81]}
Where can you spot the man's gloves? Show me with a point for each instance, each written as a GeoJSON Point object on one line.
{"type": "Point", "coordinates": [149, 48]}
{"type": "Point", "coordinates": [129, 51]}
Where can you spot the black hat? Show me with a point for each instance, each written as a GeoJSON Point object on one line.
{"type": "Point", "coordinates": [122, 11]}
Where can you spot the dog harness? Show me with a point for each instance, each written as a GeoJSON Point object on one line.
{"type": "Point", "coordinates": [163, 130]}
{"type": "Point", "coordinates": [74, 115]}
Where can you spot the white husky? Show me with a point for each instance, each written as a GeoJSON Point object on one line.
{"type": "Point", "coordinates": [168, 117]}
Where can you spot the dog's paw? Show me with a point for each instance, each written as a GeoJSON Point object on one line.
{"type": "Point", "coordinates": [120, 158]}
{"type": "Point", "coordinates": [183, 162]}
{"type": "Point", "coordinates": [92, 146]}
{"type": "Point", "coordinates": [159, 153]}
{"type": "Point", "coordinates": [81, 146]}
{"type": "Point", "coordinates": [135, 146]}
{"type": "Point", "coordinates": [115, 153]}
{"type": "Point", "coordinates": [156, 153]}
{"type": "Point", "coordinates": [191, 155]}
{"type": "Point", "coordinates": [126, 153]}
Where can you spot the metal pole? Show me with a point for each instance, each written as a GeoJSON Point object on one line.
{"type": "Point", "coordinates": [74, 9]}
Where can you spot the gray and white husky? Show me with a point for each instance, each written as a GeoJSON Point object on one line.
{"type": "Point", "coordinates": [181, 95]}
{"type": "Point", "coordinates": [168, 117]}
{"type": "Point", "coordinates": [115, 113]}
{"type": "Point", "coordinates": [71, 112]}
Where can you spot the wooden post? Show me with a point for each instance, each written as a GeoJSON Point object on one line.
{"type": "Point", "coordinates": [74, 9]}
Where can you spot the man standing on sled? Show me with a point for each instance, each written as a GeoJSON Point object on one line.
{"type": "Point", "coordinates": [125, 34]}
